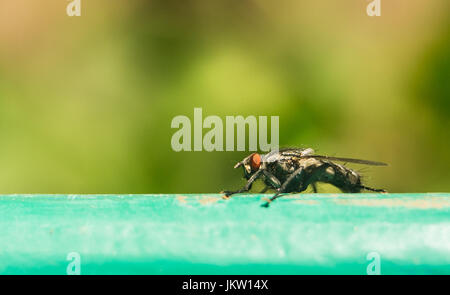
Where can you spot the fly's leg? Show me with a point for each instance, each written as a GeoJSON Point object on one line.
{"type": "Point", "coordinates": [246, 188]}
{"type": "Point", "coordinates": [271, 182]}
{"type": "Point", "coordinates": [373, 189]}
{"type": "Point", "coordinates": [304, 184]}
{"type": "Point", "coordinates": [297, 174]}
{"type": "Point", "coordinates": [315, 174]}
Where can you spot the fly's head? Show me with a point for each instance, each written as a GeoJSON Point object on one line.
{"type": "Point", "coordinates": [250, 164]}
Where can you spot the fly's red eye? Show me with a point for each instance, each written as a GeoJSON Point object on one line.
{"type": "Point", "coordinates": [255, 161]}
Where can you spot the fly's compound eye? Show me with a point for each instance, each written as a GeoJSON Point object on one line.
{"type": "Point", "coordinates": [255, 161]}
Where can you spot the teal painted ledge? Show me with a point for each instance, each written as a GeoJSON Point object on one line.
{"type": "Point", "coordinates": [204, 234]}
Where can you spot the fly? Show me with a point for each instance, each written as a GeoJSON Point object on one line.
{"type": "Point", "coordinates": [292, 170]}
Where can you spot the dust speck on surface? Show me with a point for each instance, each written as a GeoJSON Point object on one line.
{"type": "Point", "coordinates": [182, 199]}
{"type": "Point", "coordinates": [208, 200]}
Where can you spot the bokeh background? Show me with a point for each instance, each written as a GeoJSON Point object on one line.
{"type": "Point", "coordinates": [86, 102]}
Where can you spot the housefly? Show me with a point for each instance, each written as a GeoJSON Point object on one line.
{"type": "Point", "coordinates": [292, 170]}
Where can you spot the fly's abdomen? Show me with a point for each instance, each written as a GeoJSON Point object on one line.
{"type": "Point", "coordinates": [347, 180]}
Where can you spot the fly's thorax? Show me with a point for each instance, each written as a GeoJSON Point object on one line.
{"type": "Point", "coordinates": [282, 168]}
{"type": "Point", "coordinates": [309, 163]}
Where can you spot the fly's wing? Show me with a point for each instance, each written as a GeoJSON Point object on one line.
{"type": "Point", "coordinates": [308, 151]}
{"type": "Point", "coordinates": [296, 152]}
{"type": "Point", "coordinates": [349, 160]}
{"type": "Point", "coordinates": [286, 154]}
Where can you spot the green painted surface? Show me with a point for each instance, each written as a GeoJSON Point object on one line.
{"type": "Point", "coordinates": [204, 234]}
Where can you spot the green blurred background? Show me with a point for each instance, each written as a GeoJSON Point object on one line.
{"type": "Point", "coordinates": [86, 102]}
